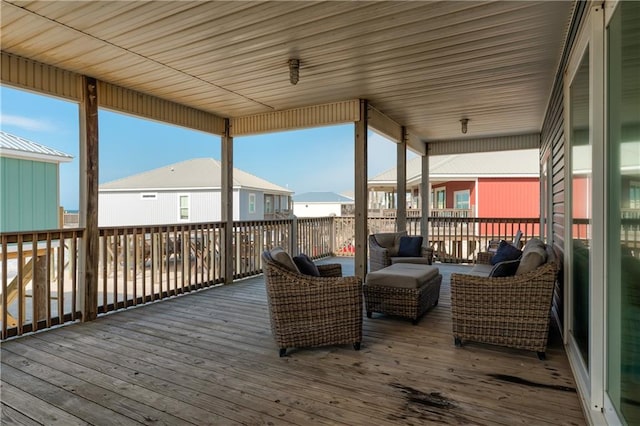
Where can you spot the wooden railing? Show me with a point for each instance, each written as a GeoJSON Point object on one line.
{"type": "Point", "coordinates": [39, 280]}
{"type": "Point", "coordinates": [455, 239]}
{"type": "Point", "coordinates": [40, 270]}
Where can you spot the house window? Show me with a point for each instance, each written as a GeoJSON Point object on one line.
{"type": "Point", "coordinates": [252, 203]}
{"type": "Point", "coordinates": [441, 199]}
{"type": "Point", "coordinates": [148, 196]}
{"type": "Point", "coordinates": [634, 195]}
{"type": "Point", "coordinates": [183, 213]}
{"type": "Point", "coordinates": [461, 199]}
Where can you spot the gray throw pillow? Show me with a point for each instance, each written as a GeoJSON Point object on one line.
{"type": "Point", "coordinates": [282, 257]}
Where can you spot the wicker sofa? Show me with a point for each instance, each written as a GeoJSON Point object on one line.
{"type": "Point", "coordinates": [511, 311]}
{"type": "Point", "coordinates": [383, 251]}
{"type": "Point", "coordinates": [308, 311]}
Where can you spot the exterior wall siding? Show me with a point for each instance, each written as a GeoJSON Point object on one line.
{"type": "Point", "coordinates": [130, 209]}
{"type": "Point", "coordinates": [513, 197]}
{"type": "Point", "coordinates": [243, 212]}
{"type": "Point", "coordinates": [552, 142]}
{"type": "Point", "coordinates": [317, 209]}
{"type": "Point", "coordinates": [28, 195]}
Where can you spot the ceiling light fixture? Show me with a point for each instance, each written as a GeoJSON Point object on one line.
{"type": "Point", "coordinates": [294, 71]}
{"type": "Point", "coordinates": [464, 122]}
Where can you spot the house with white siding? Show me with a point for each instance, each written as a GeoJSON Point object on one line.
{"type": "Point", "coordinates": [320, 204]}
{"type": "Point", "coordinates": [188, 192]}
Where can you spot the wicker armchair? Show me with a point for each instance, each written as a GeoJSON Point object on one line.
{"type": "Point", "coordinates": [308, 311]}
{"type": "Point", "coordinates": [383, 251]}
{"type": "Point", "coordinates": [508, 311]}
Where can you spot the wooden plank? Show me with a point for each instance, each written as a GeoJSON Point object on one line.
{"type": "Point", "coordinates": [11, 417]}
{"type": "Point", "coordinates": [42, 412]}
{"type": "Point", "coordinates": [116, 395]}
{"type": "Point", "coordinates": [61, 398]}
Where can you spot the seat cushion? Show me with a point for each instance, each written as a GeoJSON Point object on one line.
{"type": "Point", "coordinates": [390, 241]}
{"type": "Point", "coordinates": [402, 275]}
{"type": "Point", "coordinates": [410, 246]}
{"type": "Point", "coordinates": [415, 260]}
{"type": "Point", "coordinates": [306, 265]}
{"type": "Point", "coordinates": [282, 257]}
{"type": "Point", "coordinates": [480, 270]}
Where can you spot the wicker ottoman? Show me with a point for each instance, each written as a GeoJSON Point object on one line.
{"type": "Point", "coordinates": [403, 289]}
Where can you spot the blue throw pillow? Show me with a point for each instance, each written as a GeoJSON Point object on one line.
{"type": "Point", "coordinates": [507, 268]}
{"type": "Point", "coordinates": [505, 252]}
{"type": "Point", "coordinates": [410, 247]}
{"type": "Point", "coordinates": [306, 265]}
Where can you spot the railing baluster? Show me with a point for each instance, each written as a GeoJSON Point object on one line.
{"type": "Point", "coordinates": [21, 298]}
{"type": "Point", "coordinates": [5, 279]}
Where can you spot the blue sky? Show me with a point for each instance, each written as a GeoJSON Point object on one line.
{"type": "Point", "coordinates": [319, 159]}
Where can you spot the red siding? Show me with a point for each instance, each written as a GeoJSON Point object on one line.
{"type": "Point", "coordinates": [453, 186]}
{"type": "Point", "coordinates": [509, 197]}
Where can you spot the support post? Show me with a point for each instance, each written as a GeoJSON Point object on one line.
{"type": "Point", "coordinates": [89, 249]}
{"type": "Point", "coordinates": [361, 229]}
{"type": "Point", "coordinates": [425, 189]}
{"type": "Point", "coordinates": [227, 202]}
{"type": "Point", "coordinates": [401, 180]}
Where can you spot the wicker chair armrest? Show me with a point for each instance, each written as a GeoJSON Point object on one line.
{"type": "Point", "coordinates": [484, 257]}
{"type": "Point", "coordinates": [378, 255]}
{"type": "Point", "coordinates": [428, 253]}
{"type": "Point", "coordinates": [330, 269]}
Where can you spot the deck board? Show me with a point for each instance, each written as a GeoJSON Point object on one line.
{"type": "Point", "coordinates": [209, 358]}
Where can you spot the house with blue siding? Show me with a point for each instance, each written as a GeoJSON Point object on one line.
{"type": "Point", "coordinates": [188, 192]}
{"type": "Point", "coordinates": [29, 184]}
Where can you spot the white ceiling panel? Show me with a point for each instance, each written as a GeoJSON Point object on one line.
{"type": "Point", "coordinates": [425, 64]}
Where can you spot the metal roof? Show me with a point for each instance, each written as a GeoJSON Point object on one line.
{"type": "Point", "coordinates": [17, 147]}
{"type": "Point", "coordinates": [321, 197]}
{"type": "Point", "coordinates": [425, 64]}
{"type": "Point", "coordinates": [197, 173]}
{"type": "Point", "coordinates": [520, 163]}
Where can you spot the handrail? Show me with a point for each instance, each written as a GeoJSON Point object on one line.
{"type": "Point", "coordinates": [140, 264]}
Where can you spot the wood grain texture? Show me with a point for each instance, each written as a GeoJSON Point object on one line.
{"type": "Point", "coordinates": [209, 358]}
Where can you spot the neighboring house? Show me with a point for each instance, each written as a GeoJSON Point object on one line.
{"type": "Point", "coordinates": [188, 192]}
{"type": "Point", "coordinates": [319, 204]}
{"type": "Point", "coordinates": [491, 184]}
{"type": "Point", "coordinates": [29, 184]}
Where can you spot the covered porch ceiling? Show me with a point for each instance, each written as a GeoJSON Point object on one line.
{"type": "Point", "coordinates": [424, 64]}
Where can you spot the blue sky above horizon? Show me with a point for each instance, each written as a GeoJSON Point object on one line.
{"type": "Point", "coordinates": [309, 160]}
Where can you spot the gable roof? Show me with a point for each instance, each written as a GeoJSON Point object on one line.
{"type": "Point", "coordinates": [321, 197]}
{"type": "Point", "coordinates": [198, 173]}
{"type": "Point", "coordinates": [16, 147]}
{"type": "Point", "coordinates": [518, 163]}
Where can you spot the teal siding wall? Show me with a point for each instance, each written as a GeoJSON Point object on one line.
{"type": "Point", "coordinates": [28, 195]}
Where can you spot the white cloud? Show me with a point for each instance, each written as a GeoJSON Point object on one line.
{"type": "Point", "coordinates": [26, 123]}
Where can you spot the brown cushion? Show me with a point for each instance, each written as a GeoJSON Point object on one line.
{"type": "Point", "coordinates": [282, 257]}
{"type": "Point", "coordinates": [531, 261]}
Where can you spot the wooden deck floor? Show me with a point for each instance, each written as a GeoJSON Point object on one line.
{"type": "Point", "coordinates": [209, 358]}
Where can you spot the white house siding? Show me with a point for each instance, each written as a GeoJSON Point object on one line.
{"type": "Point", "coordinates": [316, 209]}
{"type": "Point", "coordinates": [204, 207]}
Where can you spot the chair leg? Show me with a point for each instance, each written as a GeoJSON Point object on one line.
{"type": "Point", "coordinates": [542, 356]}
{"type": "Point", "coordinates": [283, 352]}
{"type": "Point", "coordinates": [457, 341]}
{"type": "Point", "coordinates": [368, 314]}
{"type": "Point", "coordinates": [356, 346]}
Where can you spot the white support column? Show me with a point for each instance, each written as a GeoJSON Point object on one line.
{"type": "Point", "coordinates": [425, 189]}
{"type": "Point", "coordinates": [361, 229]}
{"type": "Point", "coordinates": [226, 195]}
{"type": "Point", "coordinates": [401, 183]}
